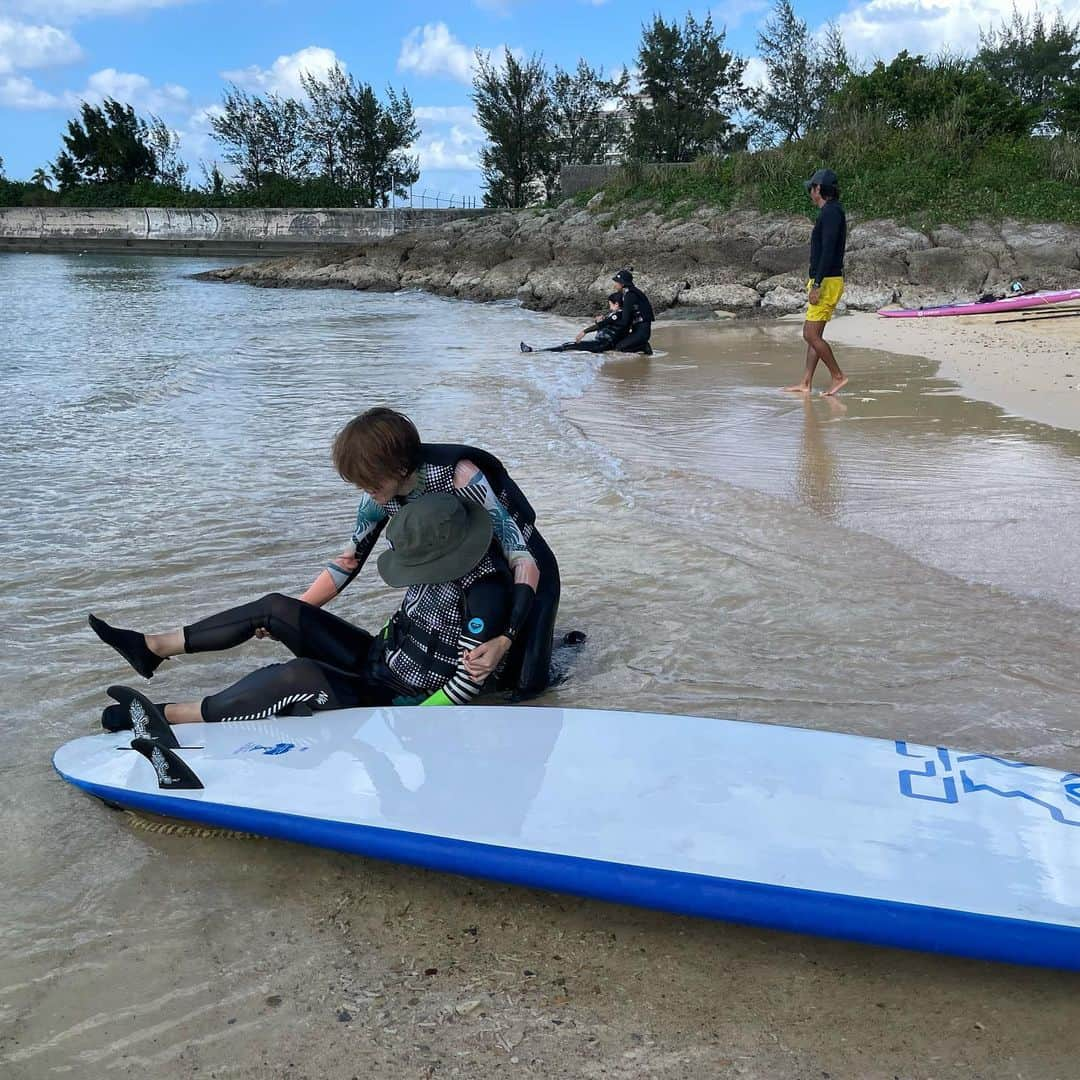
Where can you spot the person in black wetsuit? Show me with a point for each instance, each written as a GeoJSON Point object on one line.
{"type": "Point", "coordinates": [458, 597]}
{"type": "Point", "coordinates": [826, 282]}
{"type": "Point", "coordinates": [380, 452]}
{"type": "Point", "coordinates": [607, 328]}
{"type": "Point", "coordinates": [635, 326]}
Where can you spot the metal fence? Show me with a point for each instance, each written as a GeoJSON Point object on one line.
{"type": "Point", "coordinates": [435, 200]}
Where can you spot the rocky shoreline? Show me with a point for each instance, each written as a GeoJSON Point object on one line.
{"type": "Point", "coordinates": [743, 262]}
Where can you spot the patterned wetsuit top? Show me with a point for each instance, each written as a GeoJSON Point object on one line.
{"type": "Point", "coordinates": [437, 629]}
{"type": "Point", "coordinates": [437, 610]}
{"type": "Point", "coordinates": [371, 518]}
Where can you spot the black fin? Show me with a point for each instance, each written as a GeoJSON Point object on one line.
{"type": "Point", "coordinates": [173, 773]}
{"type": "Point", "coordinates": [116, 717]}
{"type": "Point", "coordinates": [147, 720]}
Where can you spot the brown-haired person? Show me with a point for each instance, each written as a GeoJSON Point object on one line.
{"type": "Point", "coordinates": [380, 452]}
{"type": "Point", "coordinates": [442, 554]}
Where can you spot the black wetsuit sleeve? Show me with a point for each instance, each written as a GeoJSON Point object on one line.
{"type": "Point", "coordinates": [829, 240]}
{"type": "Point", "coordinates": [626, 314]}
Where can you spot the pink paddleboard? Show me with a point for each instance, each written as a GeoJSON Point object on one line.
{"type": "Point", "coordinates": [1010, 303]}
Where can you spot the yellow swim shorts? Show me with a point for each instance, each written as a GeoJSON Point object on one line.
{"type": "Point", "coordinates": [832, 288]}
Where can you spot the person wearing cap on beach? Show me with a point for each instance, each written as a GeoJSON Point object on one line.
{"type": "Point", "coordinates": [458, 596]}
{"type": "Point", "coordinates": [607, 330]}
{"type": "Point", "coordinates": [634, 327]}
{"type": "Point", "coordinates": [826, 283]}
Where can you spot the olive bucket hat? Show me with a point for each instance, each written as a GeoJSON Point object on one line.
{"type": "Point", "coordinates": [434, 538]}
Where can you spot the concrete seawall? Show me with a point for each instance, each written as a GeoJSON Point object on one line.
{"type": "Point", "coordinates": [153, 230]}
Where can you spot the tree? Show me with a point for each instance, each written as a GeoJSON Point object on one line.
{"type": "Point", "coordinates": [377, 136]}
{"type": "Point", "coordinates": [1039, 63]}
{"type": "Point", "coordinates": [106, 143]}
{"type": "Point", "coordinates": [803, 73]}
{"type": "Point", "coordinates": [909, 91]}
{"type": "Point", "coordinates": [689, 87]}
{"type": "Point", "coordinates": [39, 178]}
{"type": "Point", "coordinates": [327, 114]}
{"type": "Point", "coordinates": [282, 122]}
{"type": "Point", "coordinates": [165, 143]}
{"type": "Point", "coordinates": [513, 106]}
{"type": "Point", "coordinates": [584, 129]}
{"type": "Point", "coordinates": [240, 127]}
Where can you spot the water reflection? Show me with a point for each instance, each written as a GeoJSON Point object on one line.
{"type": "Point", "coordinates": [817, 472]}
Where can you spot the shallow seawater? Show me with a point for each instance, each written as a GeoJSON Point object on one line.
{"type": "Point", "coordinates": [899, 563]}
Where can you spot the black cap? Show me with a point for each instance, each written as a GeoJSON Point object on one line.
{"type": "Point", "coordinates": [615, 298]}
{"type": "Point", "coordinates": [623, 277]}
{"type": "Point", "coordinates": [820, 178]}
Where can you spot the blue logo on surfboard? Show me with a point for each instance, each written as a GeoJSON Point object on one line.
{"type": "Point", "coordinates": [270, 751]}
{"type": "Point", "coordinates": [947, 776]}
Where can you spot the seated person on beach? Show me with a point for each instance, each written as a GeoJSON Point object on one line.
{"type": "Point", "coordinates": [606, 327]}
{"type": "Point", "coordinates": [380, 452]}
{"type": "Point", "coordinates": [458, 596]}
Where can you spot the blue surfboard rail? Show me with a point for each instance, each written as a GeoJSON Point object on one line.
{"type": "Point", "coordinates": [836, 915]}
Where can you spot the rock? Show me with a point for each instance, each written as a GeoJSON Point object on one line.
{"type": "Point", "coordinates": [782, 301]}
{"type": "Point", "coordinates": [873, 266]}
{"type": "Point", "coordinates": [868, 297]}
{"type": "Point", "coordinates": [886, 237]}
{"type": "Point", "coordinates": [950, 268]}
{"type": "Point", "coordinates": [779, 260]}
{"type": "Point", "coordinates": [561, 259]}
{"type": "Point", "coordinates": [725, 296]}
{"type": "Point", "coordinates": [791, 282]}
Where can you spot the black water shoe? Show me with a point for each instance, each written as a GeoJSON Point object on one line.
{"type": "Point", "coordinates": [130, 645]}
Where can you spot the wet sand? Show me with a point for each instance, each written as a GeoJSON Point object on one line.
{"type": "Point", "coordinates": [1028, 364]}
{"type": "Point", "coordinates": [731, 551]}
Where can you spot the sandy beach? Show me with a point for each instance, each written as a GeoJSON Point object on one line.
{"type": "Point", "coordinates": [1028, 365]}
{"type": "Point", "coordinates": [898, 563]}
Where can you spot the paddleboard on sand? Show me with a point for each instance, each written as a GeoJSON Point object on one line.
{"type": "Point", "coordinates": [811, 831]}
{"type": "Point", "coordinates": [1009, 303]}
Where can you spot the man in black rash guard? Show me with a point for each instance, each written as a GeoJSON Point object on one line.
{"type": "Point", "coordinates": [607, 328]}
{"type": "Point", "coordinates": [458, 596]}
{"type": "Point", "coordinates": [826, 282]}
{"type": "Point", "coordinates": [635, 325]}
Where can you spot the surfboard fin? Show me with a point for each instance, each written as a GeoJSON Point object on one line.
{"type": "Point", "coordinates": [173, 773]}
{"type": "Point", "coordinates": [147, 720]}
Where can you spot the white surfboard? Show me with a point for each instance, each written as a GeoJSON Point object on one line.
{"type": "Point", "coordinates": [886, 842]}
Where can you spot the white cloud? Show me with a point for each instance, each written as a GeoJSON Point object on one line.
{"type": "Point", "coordinates": [733, 12]}
{"type": "Point", "coordinates": [881, 28]}
{"type": "Point", "coordinates": [25, 46]}
{"type": "Point", "coordinates": [283, 75]}
{"type": "Point", "coordinates": [451, 138]}
{"type": "Point", "coordinates": [68, 11]}
{"type": "Point", "coordinates": [756, 75]}
{"type": "Point", "coordinates": [444, 114]}
{"type": "Point", "coordinates": [18, 92]}
{"type": "Point", "coordinates": [125, 86]}
{"type": "Point", "coordinates": [132, 89]}
{"type": "Point", "coordinates": [436, 154]}
{"type": "Point", "coordinates": [433, 50]}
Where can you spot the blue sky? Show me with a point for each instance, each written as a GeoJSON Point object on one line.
{"type": "Point", "coordinates": [173, 57]}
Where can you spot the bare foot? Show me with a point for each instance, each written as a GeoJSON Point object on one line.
{"type": "Point", "coordinates": [836, 386]}
{"type": "Point", "coordinates": [798, 388]}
